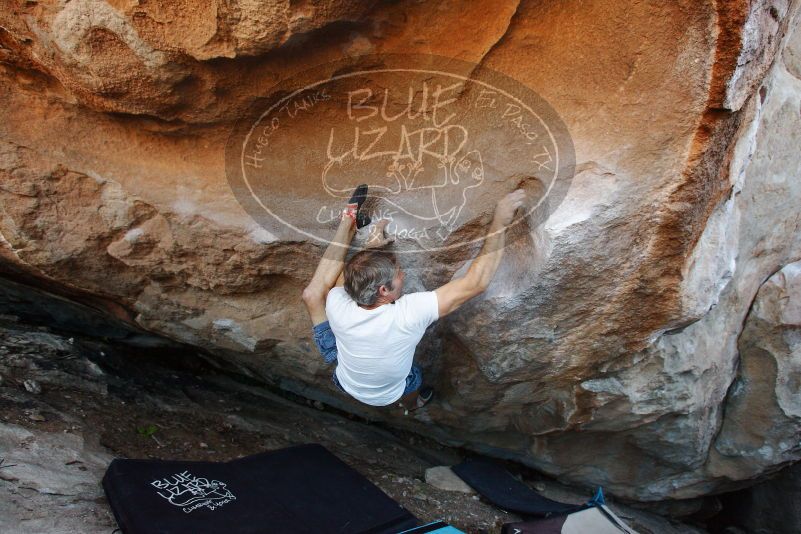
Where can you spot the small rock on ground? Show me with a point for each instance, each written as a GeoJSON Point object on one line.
{"type": "Point", "coordinates": [442, 477]}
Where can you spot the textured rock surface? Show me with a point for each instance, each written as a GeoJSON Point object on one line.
{"type": "Point", "coordinates": [763, 412]}
{"type": "Point", "coordinates": [43, 471]}
{"type": "Point", "coordinates": [614, 323]}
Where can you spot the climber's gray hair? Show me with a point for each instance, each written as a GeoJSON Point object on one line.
{"type": "Point", "coordinates": [368, 270]}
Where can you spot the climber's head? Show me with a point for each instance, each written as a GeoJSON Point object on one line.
{"type": "Point", "coordinates": [373, 277]}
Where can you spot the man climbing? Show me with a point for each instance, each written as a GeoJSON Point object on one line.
{"type": "Point", "coordinates": [362, 321]}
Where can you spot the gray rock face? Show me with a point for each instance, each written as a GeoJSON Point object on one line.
{"type": "Point", "coordinates": [43, 472]}
{"type": "Point", "coordinates": [762, 427]}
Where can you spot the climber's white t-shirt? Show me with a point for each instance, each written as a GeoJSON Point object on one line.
{"type": "Point", "coordinates": [375, 348]}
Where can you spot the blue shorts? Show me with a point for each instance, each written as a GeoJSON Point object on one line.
{"type": "Point", "coordinates": [327, 345]}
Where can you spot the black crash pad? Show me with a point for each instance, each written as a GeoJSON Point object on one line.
{"type": "Point", "coordinates": [506, 492]}
{"type": "Point", "coordinates": [302, 489]}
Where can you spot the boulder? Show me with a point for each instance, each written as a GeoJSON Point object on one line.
{"type": "Point", "coordinates": [606, 349]}
{"type": "Point", "coordinates": [442, 477]}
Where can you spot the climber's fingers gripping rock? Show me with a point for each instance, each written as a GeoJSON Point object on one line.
{"type": "Point", "coordinates": [505, 210]}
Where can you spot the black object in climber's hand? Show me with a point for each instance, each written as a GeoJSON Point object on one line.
{"type": "Point", "coordinates": [357, 199]}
